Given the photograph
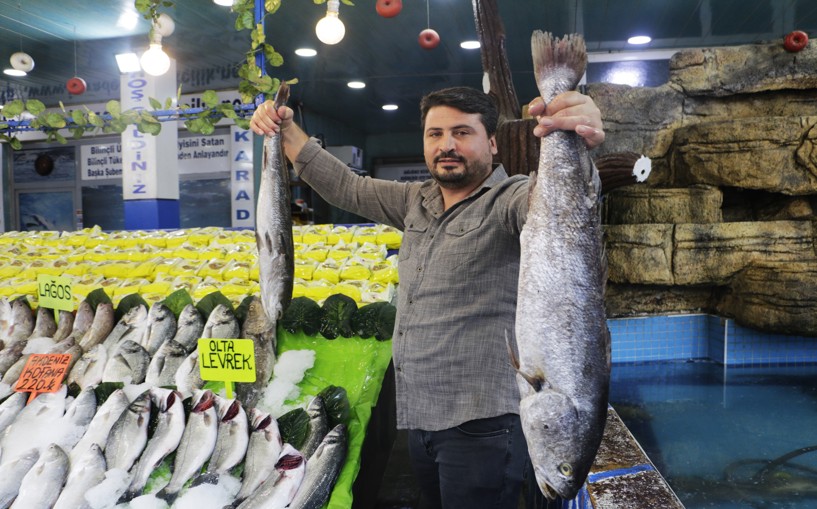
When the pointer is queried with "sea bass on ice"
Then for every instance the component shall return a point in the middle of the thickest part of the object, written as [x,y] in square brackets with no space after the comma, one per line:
[563,368]
[273,225]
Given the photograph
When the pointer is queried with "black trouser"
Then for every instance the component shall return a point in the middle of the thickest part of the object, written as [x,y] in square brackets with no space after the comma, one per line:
[480,463]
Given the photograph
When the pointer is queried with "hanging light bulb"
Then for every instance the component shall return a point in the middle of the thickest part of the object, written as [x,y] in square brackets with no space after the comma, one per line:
[155,61]
[330,29]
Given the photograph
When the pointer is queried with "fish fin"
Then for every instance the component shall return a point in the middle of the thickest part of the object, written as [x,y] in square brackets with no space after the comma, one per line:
[167,496]
[537,382]
[532,186]
[206,478]
[558,64]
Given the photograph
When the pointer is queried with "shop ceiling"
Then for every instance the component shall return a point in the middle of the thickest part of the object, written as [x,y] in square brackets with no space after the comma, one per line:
[80,37]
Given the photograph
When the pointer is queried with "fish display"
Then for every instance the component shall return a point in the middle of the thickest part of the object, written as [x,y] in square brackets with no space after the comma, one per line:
[259,328]
[273,225]
[57,450]
[563,363]
[322,470]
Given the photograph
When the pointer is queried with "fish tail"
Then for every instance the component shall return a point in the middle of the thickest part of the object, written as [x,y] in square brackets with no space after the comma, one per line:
[167,495]
[558,64]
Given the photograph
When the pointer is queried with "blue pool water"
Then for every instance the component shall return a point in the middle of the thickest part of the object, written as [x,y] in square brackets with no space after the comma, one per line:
[715,431]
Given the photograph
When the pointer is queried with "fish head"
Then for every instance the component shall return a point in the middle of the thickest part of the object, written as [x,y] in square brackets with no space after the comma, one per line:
[21,313]
[552,429]
[189,315]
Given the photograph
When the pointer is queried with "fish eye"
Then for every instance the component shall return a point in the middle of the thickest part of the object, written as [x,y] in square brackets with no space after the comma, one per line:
[565,469]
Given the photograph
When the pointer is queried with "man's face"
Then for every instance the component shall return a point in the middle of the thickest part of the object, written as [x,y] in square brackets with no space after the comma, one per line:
[457,149]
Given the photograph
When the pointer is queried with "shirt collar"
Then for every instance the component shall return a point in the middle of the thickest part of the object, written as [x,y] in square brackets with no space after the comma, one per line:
[433,198]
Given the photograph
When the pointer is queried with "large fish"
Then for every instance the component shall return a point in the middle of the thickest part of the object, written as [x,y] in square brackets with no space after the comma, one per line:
[165,438]
[10,408]
[165,363]
[78,416]
[131,326]
[44,324]
[100,328]
[161,327]
[129,434]
[563,368]
[265,443]
[318,426]
[259,328]
[65,325]
[322,471]
[20,321]
[42,484]
[273,225]
[88,370]
[100,427]
[86,472]
[196,446]
[189,327]
[188,376]
[128,363]
[221,324]
[232,439]
[12,473]
[278,490]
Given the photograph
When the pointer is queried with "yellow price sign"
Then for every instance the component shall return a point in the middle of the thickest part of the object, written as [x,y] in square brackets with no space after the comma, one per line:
[54,292]
[227,360]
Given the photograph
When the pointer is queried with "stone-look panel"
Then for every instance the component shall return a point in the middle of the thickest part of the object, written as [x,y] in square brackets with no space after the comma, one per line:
[633,300]
[710,254]
[752,205]
[774,154]
[639,120]
[743,69]
[639,254]
[786,103]
[774,297]
[640,204]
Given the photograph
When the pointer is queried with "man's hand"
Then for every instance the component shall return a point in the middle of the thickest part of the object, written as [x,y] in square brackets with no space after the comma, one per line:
[265,120]
[570,111]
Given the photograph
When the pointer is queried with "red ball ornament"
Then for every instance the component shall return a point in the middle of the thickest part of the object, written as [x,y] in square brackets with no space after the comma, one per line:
[795,41]
[429,39]
[75,85]
[389,8]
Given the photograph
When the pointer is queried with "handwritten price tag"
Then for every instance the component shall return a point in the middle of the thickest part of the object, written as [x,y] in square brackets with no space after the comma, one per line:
[227,360]
[43,373]
[54,292]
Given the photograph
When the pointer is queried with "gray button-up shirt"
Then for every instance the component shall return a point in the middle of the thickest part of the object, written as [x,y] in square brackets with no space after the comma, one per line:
[457,293]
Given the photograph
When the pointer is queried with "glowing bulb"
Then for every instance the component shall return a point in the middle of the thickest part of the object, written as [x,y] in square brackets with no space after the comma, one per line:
[155,61]
[14,72]
[639,39]
[330,29]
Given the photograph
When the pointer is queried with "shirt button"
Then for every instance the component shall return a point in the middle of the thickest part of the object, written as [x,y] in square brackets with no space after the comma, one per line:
[419,269]
[400,333]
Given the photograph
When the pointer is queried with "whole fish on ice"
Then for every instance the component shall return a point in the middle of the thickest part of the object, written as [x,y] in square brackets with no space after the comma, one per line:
[322,470]
[563,368]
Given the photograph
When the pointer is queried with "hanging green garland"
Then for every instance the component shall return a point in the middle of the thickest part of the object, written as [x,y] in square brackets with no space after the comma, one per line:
[197,120]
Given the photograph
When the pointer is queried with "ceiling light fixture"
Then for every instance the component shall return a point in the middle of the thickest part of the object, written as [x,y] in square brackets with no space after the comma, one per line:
[389,107]
[225,3]
[330,29]
[14,72]
[356,84]
[154,61]
[639,39]
[128,62]
[469,45]
[305,52]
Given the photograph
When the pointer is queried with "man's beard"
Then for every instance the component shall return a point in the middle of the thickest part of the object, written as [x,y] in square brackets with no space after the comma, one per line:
[467,174]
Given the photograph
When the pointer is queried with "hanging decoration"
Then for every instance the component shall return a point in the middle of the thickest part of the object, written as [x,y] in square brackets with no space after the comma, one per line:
[75,85]
[389,8]
[428,38]
[795,41]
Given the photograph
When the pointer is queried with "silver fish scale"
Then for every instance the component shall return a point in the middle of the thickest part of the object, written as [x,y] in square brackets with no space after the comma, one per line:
[561,329]
[273,225]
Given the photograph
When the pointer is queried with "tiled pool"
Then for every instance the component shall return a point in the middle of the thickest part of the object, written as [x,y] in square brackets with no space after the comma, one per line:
[713,404]
[701,336]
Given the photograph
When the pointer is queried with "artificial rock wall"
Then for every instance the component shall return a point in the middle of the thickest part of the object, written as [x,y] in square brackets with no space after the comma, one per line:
[726,222]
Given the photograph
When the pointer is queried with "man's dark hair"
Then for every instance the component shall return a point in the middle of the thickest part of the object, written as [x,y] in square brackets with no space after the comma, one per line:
[465,99]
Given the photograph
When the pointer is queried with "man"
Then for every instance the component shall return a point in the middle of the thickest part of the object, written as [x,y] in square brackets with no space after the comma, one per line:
[458,267]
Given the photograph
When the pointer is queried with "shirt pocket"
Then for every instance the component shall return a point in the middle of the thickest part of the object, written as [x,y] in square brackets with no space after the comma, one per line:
[413,233]
[465,243]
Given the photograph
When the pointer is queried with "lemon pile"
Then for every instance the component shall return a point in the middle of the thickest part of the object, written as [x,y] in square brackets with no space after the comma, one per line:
[329,259]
